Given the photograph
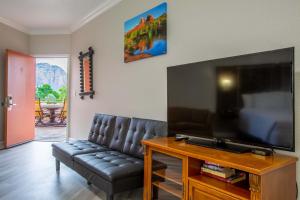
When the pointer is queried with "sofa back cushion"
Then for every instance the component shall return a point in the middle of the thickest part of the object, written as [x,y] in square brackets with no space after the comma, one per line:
[120,132]
[102,129]
[139,130]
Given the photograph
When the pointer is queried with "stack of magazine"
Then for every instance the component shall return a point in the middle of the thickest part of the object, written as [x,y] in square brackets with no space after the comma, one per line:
[224,174]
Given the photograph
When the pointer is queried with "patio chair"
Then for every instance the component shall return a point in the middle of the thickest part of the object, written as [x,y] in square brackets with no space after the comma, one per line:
[40,113]
[63,113]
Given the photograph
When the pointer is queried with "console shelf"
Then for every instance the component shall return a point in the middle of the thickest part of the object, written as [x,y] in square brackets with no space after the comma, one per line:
[169,188]
[170,175]
[226,188]
[174,167]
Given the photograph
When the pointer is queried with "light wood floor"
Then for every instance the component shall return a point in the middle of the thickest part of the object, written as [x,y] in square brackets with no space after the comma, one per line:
[27,172]
[50,134]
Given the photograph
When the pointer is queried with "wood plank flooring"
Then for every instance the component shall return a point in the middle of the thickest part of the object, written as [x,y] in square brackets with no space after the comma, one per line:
[27,172]
[50,134]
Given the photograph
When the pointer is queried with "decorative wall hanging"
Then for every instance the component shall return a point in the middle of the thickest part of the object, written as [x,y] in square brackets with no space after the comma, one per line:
[86,73]
[146,34]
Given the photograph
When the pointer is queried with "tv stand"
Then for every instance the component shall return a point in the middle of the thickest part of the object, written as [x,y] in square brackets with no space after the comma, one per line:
[218,144]
[172,170]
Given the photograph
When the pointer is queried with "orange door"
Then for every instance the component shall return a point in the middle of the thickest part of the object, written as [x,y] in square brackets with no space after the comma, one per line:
[19,98]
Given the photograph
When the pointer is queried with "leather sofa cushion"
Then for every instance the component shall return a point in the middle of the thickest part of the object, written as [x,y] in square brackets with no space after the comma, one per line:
[102,129]
[111,165]
[120,132]
[141,129]
[76,147]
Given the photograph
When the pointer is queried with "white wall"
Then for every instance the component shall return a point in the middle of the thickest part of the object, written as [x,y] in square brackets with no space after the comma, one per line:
[14,40]
[197,30]
[50,44]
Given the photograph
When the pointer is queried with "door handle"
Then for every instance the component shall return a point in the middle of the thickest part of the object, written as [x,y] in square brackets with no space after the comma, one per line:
[8,102]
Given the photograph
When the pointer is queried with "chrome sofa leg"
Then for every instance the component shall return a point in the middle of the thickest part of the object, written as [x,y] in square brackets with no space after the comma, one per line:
[57,165]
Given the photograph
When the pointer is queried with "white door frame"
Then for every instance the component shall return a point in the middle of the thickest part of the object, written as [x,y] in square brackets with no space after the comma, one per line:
[68,56]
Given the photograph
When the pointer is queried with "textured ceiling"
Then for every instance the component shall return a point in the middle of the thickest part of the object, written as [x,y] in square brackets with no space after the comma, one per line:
[50,16]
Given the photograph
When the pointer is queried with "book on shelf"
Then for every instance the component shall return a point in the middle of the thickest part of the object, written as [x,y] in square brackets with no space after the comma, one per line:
[233,179]
[216,168]
[212,164]
[237,178]
[225,173]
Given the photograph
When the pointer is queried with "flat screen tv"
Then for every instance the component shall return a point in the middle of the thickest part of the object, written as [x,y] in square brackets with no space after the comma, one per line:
[247,99]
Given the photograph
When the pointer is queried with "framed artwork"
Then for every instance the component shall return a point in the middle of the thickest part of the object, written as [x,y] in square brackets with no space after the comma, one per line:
[146,34]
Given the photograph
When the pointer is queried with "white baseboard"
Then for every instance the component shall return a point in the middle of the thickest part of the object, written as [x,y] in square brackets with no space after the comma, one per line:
[1,145]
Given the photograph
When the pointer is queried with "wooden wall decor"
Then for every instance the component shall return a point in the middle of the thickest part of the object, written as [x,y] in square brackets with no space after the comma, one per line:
[86,73]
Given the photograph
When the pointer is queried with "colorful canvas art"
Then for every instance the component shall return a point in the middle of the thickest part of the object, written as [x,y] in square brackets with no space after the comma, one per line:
[146,34]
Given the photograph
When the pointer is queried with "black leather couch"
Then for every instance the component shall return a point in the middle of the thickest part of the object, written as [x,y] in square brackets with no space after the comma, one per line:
[112,157]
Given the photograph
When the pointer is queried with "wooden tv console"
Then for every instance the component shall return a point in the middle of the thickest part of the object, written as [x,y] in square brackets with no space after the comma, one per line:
[172,171]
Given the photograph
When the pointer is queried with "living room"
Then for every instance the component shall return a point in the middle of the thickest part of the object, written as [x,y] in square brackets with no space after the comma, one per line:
[197,30]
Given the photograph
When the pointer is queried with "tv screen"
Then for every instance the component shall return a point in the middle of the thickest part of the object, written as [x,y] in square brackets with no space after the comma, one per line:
[246,99]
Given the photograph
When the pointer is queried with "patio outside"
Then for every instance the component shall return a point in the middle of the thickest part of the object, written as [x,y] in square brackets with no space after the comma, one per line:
[51,99]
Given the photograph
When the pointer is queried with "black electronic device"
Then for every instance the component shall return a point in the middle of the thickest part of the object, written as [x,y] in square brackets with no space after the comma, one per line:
[262,152]
[247,99]
[218,144]
[181,137]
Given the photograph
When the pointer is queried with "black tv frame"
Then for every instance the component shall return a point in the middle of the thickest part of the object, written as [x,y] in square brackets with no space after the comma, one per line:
[223,142]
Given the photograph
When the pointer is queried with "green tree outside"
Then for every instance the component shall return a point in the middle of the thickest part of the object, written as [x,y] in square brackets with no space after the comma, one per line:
[63,92]
[46,93]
